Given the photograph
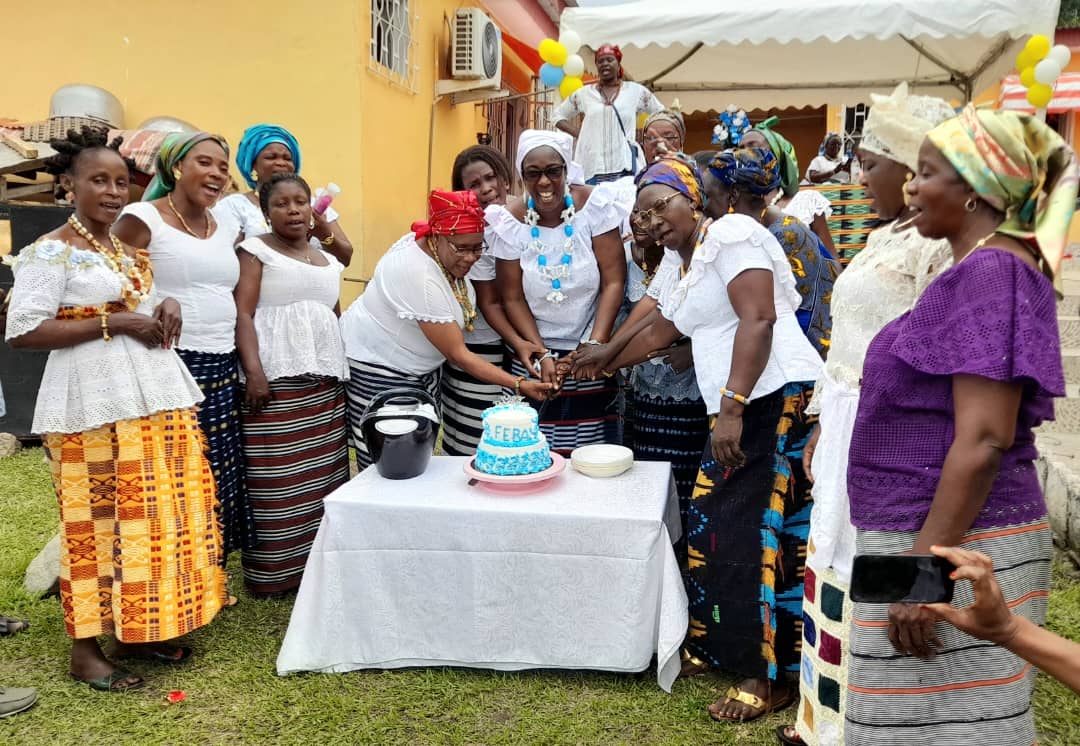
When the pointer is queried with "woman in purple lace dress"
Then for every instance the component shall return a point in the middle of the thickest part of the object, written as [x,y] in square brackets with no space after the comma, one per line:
[943,449]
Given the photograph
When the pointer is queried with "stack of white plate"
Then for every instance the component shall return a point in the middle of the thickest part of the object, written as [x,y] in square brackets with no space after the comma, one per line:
[602,460]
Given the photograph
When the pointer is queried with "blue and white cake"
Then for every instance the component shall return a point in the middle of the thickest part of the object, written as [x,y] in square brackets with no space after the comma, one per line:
[512,443]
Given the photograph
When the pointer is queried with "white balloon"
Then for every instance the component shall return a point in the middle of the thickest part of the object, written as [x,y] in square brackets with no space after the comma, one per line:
[574,66]
[571,41]
[1047,71]
[1060,54]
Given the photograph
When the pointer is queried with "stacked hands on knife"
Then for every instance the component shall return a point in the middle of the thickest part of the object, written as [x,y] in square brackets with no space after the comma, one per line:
[589,362]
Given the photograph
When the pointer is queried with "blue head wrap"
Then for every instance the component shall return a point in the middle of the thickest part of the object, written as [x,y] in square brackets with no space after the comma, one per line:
[257,137]
[754,170]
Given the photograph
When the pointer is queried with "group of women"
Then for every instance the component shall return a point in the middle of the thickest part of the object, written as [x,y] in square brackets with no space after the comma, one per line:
[684,304]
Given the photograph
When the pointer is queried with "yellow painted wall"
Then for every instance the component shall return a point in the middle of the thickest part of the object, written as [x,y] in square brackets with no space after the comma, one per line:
[226,65]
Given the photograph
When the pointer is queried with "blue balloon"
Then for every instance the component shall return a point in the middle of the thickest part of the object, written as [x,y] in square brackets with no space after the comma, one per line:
[550,75]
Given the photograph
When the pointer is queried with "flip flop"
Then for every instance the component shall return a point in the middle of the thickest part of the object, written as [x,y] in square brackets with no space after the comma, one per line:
[10,626]
[784,738]
[179,654]
[109,682]
[734,694]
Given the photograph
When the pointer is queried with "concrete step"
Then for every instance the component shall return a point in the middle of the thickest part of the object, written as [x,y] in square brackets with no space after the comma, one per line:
[1069,327]
[1059,472]
[1066,414]
[1070,361]
[1068,306]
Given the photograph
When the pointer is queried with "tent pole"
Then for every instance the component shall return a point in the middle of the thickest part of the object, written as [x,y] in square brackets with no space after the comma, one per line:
[693,50]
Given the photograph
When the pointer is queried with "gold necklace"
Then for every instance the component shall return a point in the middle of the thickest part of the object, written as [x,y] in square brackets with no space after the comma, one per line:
[289,249]
[209,219]
[683,269]
[459,287]
[979,244]
[136,275]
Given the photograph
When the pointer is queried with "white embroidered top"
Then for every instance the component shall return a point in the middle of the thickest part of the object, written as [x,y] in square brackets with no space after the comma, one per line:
[562,326]
[95,382]
[808,204]
[200,274]
[245,213]
[881,283]
[294,319]
[602,148]
[382,325]
[482,271]
[700,308]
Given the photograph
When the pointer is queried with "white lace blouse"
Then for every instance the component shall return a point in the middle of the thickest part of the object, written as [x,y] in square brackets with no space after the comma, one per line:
[699,307]
[294,319]
[96,382]
[807,204]
[382,326]
[562,326]
[882,282]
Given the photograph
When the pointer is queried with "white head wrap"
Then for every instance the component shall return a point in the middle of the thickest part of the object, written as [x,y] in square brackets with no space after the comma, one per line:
[562,143]
[898,124]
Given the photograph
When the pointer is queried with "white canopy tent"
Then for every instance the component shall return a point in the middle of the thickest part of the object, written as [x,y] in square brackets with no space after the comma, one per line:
[775,53]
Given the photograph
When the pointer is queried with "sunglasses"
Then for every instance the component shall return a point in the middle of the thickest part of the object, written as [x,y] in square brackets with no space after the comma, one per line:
[553,173]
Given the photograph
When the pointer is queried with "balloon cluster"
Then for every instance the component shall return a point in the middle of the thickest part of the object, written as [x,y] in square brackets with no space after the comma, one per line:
[1040,65]
[733,124]
[563,66]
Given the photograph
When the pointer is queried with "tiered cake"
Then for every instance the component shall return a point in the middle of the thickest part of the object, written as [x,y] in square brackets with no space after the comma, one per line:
[512,443]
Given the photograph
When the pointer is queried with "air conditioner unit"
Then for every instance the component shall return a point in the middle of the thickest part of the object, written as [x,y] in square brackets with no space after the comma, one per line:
[476,48]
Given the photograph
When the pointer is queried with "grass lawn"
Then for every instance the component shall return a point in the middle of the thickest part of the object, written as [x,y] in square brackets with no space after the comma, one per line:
[234,697]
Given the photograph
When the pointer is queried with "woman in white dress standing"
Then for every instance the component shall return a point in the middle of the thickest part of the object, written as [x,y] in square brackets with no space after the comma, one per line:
[606,145]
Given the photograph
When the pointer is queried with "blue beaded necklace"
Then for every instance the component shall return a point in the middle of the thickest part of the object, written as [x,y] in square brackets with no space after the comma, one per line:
[555,274]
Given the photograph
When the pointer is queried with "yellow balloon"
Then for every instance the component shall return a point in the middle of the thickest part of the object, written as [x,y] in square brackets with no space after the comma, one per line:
[1038,46]
[568,86]
[1024,60]
[555,53]
[1039,95]
[1027,77]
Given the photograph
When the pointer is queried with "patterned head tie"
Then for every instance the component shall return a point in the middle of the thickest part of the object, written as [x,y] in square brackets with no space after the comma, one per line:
[753,170]
[678,172]
[451,214]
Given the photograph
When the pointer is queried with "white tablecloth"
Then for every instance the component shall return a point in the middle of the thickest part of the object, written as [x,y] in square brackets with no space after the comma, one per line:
[433,572]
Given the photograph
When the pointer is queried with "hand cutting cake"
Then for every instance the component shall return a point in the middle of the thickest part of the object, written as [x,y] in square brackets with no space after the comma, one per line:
[512,443]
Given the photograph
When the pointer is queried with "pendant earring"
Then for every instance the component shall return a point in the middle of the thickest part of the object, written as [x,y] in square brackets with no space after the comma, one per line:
[254,176]
[177,173]
[311,225]
[731,209]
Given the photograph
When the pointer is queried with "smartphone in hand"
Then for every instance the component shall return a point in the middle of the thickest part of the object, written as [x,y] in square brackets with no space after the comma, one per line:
[901,578]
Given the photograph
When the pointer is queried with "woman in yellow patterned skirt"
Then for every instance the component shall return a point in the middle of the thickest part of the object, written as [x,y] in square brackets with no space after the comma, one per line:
[116,412]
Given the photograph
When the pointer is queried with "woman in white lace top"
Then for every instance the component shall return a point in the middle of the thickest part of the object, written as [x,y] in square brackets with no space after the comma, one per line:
[882,282]
[294,398]
[561,272]
[140,544]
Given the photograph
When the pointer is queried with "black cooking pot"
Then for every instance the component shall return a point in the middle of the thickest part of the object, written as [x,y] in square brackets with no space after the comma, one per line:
[399,427]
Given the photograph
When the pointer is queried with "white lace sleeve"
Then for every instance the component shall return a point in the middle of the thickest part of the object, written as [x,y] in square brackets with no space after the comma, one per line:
[40,281]
[504,233]
[608,207]
[814,406]
[808,204]
[935,258]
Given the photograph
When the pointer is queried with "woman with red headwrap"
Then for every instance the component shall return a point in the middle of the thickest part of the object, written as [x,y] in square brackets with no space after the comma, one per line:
[606,147]
[411,318]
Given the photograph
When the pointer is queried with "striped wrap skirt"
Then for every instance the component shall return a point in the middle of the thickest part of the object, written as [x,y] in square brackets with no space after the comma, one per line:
[584,412]
[368,380]
[464,399]
[296,453]
[972,692]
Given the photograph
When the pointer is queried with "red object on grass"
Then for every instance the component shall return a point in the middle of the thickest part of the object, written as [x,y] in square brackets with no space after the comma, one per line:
[176,695]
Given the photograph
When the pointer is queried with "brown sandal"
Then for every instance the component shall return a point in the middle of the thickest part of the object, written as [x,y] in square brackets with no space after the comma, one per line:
[734,694]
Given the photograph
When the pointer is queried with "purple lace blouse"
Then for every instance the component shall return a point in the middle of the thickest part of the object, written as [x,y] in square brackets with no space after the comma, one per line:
[993,316]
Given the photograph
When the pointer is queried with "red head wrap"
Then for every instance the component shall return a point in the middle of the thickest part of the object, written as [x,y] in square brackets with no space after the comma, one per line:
[451,214]
[614,51]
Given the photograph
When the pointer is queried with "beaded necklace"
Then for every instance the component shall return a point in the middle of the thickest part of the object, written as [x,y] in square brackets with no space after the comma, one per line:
[459,287]
[561,271]
[135,274]
[683,270]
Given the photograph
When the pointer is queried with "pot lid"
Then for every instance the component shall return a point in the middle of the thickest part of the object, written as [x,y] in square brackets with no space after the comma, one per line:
[396,427]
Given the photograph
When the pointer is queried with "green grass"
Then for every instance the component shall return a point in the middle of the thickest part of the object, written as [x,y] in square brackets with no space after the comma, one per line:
[234,697]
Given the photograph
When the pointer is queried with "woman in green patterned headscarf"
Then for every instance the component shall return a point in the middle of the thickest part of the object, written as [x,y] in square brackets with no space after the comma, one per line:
[172,152]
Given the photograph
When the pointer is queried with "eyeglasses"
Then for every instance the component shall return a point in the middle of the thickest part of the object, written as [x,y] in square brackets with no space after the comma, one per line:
[474,250]
[654,139]
[553,173]
[643,218]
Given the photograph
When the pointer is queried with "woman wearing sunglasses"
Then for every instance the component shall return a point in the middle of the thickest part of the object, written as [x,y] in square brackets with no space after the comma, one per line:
[561,272]
[412,317]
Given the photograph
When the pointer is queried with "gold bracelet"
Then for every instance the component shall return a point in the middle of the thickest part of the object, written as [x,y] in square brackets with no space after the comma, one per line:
[105,326]
[329,240]
[517,385]
[744,400]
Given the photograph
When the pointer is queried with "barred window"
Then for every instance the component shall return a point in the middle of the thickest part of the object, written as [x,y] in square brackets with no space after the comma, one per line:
[391,39]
